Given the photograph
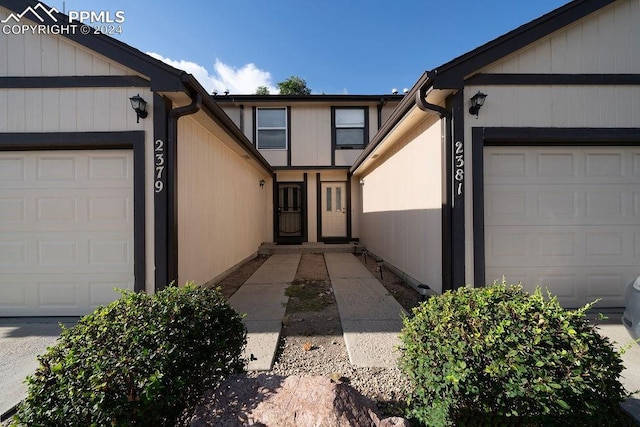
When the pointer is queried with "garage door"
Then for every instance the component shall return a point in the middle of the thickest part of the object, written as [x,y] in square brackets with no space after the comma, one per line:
[566,218]
[66,227]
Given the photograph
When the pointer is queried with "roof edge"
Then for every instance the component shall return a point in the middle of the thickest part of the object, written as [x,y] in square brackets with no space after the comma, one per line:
[222,99]
[450,75]
[396,117]
[225,121]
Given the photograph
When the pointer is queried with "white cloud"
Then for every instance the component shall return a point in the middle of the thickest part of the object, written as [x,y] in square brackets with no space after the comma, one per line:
[243,80]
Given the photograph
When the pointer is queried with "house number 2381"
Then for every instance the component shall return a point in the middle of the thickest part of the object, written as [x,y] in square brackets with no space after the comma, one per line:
[458,173]
[159,164]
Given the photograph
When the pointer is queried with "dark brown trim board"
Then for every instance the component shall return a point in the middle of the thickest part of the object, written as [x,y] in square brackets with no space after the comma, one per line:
[553,79]
[288,135]
[349,218]
[458,184]
[482,137]
[447,196]
[305,207]
[318,207]
[98,141]
[161,108]
[52,82]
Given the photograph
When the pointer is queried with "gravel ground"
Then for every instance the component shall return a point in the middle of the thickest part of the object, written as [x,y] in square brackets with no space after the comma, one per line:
[311,342]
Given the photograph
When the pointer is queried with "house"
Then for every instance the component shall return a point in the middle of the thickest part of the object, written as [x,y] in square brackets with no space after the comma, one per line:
[311,141]
[541,184]
[95,196]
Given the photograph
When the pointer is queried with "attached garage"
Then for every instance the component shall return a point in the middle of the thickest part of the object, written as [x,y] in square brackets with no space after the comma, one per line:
[66,219]
[92,197]
[566,218]
[538,142]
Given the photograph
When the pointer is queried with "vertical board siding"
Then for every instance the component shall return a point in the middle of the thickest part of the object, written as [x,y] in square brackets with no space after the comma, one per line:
[70,110]
[221,207]
[50,55]
[607,41]
[401,219]
[556,106]
[310,136]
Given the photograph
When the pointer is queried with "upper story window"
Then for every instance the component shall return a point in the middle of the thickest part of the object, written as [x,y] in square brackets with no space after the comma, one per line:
[271,128]
[350,127]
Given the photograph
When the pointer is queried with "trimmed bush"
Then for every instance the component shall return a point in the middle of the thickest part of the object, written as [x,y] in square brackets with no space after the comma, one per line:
[499,356]
[141,360]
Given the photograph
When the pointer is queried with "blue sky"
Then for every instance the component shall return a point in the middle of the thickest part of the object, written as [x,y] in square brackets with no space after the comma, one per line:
[337,46]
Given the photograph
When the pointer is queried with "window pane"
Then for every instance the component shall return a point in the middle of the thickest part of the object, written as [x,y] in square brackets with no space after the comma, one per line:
[349,118]
[338,198]
[349,137]
[272,118]
[272,139]
[329,199]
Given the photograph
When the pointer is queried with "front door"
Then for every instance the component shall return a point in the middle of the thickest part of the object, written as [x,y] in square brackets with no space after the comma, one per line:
[334,210]
[290,213]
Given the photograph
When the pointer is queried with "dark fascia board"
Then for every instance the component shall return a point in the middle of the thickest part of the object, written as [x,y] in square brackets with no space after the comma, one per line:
[163,76]
[219,116]
[407,103]
[309,168]
[451,74]
[224,99]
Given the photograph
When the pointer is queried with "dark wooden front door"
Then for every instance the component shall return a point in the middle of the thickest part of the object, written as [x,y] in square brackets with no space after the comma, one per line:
[290,213]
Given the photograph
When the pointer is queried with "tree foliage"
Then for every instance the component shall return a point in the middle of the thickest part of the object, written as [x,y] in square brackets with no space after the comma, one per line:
[262,90]
[294,85]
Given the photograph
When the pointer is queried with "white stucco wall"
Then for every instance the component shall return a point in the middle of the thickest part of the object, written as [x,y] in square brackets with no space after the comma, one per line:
[222,210]
[401,219]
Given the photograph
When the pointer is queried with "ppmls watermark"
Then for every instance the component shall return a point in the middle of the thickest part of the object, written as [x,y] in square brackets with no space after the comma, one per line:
[47,22]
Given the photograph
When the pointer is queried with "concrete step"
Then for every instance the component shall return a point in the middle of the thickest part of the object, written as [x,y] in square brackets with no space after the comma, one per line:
[310,248]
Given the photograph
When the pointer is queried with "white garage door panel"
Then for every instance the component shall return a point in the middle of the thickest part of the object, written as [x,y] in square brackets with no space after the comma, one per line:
[566,218]
[66,219]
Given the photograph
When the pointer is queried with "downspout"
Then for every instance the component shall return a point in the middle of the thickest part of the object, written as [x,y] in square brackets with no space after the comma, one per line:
[421,101]
[447,233]
[172,184]
[381,104]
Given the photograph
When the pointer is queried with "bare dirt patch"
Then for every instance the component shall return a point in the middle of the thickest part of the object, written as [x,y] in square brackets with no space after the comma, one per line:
[403,293]
[230,284]
[311,341]
[312,308]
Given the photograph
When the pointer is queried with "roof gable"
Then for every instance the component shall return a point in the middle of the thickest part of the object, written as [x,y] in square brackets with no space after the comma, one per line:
[451,74]
[163,76]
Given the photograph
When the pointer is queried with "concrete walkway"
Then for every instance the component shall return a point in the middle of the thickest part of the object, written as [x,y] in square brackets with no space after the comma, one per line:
[21,341]
[263,301]
[370,316]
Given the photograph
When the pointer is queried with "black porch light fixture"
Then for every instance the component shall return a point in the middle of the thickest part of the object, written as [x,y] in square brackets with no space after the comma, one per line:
[262,182]
[477,101]
[139,105]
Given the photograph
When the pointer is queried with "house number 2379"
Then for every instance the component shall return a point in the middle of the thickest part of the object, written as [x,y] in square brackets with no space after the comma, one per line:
[159,164]
[458,173]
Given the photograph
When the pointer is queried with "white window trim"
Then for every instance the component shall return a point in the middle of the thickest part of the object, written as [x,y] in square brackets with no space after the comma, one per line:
[285,128]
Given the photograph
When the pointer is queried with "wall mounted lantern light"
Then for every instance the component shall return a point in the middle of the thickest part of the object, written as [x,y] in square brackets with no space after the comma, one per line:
[262,182]
[362,181]
[477,101]
[139,105]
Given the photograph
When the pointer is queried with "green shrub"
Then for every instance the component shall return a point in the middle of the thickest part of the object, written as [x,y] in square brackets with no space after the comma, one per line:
[498,353]
[141,360]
